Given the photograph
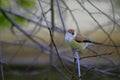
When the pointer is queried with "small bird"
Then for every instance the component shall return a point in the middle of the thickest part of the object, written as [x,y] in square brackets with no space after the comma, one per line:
[75,40]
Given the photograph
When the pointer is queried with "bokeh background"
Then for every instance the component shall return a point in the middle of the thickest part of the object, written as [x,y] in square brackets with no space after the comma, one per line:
[28,51]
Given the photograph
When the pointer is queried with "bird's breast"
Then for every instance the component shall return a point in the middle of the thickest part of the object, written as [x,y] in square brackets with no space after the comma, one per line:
[74,45]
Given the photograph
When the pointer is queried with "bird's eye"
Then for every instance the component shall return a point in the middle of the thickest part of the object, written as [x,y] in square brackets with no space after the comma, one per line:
[72,33]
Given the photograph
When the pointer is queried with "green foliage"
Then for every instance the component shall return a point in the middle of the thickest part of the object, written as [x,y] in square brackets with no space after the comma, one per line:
[3,21]
[4,3]
[18,19]
[27,3]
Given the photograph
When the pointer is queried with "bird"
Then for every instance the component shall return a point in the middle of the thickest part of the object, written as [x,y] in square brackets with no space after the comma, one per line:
[76,40]
[80,42]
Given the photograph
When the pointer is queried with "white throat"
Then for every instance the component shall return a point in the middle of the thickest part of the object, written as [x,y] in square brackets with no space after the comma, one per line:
[69,36]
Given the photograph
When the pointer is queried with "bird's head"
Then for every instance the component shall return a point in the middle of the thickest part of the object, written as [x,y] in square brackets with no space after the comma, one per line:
[70,34]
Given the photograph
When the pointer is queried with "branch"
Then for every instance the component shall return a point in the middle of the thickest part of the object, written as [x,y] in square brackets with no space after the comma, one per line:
[31,20]
[26,10]
[52,40]
[95,69]
[20,29]
[60,12]
[76,56]
[1,63]
[95,55]
[76,23]
[100,26]
[65,58]
[103,13]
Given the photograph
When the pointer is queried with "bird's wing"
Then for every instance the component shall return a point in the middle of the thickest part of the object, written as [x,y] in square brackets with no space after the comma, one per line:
[80,38]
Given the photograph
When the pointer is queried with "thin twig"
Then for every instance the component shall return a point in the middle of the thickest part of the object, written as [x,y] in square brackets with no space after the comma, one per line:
[75,53]
[95,55]
[20,29]
[52,40]
[74,68]
[60,71]
[1,64]
[67,59]
[74,19]
[26,10]
[103,13]
[51,44]
[100,25]
[30,20]
[61,17]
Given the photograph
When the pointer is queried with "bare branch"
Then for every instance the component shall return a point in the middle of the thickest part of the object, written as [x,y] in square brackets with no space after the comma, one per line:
[1,64]
[31,20]
[103,13]
[74,19]
[20,29]
[61,17]
[95,55]
[100,24]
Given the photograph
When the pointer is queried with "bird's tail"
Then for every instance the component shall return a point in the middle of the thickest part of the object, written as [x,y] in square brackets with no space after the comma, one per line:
[100,43]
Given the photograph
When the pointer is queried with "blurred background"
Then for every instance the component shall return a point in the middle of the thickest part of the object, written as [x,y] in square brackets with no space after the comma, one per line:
[32,44]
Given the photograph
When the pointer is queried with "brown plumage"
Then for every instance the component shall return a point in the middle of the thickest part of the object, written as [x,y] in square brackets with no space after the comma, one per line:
[78,37]
[76,41]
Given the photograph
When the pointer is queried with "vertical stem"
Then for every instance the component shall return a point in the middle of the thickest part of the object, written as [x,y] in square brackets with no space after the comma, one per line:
[75,53]
[1,64]
[74,69]
[60,12]
[44,17]
[52,33]
[52,16]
